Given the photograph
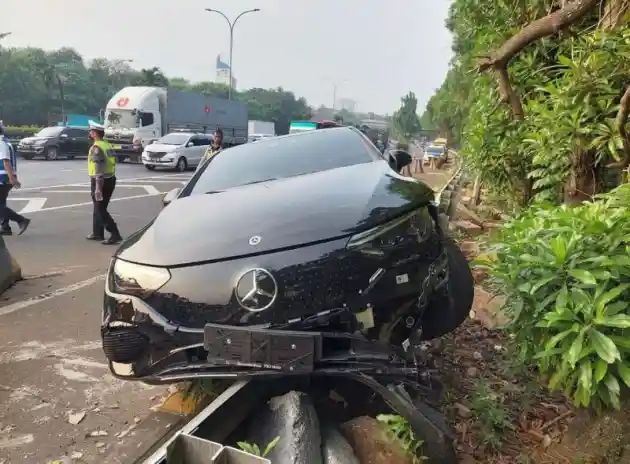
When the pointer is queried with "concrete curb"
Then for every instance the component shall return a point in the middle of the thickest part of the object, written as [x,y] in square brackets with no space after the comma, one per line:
[10,270]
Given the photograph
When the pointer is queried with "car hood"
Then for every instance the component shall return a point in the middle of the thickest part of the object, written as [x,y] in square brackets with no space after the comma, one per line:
[29,140]
[284,213]
[161,148]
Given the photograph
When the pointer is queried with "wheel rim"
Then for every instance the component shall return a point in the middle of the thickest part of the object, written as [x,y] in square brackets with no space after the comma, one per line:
[181,165]
[52,153]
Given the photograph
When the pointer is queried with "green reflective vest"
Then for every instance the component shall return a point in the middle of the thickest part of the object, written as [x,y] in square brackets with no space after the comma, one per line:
[110,159]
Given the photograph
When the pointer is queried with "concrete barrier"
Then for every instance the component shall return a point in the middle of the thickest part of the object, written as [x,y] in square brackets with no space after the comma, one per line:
[10,271]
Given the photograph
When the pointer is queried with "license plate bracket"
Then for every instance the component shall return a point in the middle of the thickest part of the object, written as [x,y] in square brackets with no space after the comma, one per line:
[282,350]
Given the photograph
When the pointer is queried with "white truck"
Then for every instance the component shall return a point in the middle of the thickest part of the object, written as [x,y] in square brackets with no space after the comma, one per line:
[258,130]
[137,116]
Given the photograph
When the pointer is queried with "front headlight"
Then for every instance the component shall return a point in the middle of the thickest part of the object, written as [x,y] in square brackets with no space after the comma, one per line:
[399,234]
[134,279]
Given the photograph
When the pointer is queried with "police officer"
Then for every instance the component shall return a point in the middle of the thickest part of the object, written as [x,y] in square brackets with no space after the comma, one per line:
[215,146]
[102,172]
[8,181]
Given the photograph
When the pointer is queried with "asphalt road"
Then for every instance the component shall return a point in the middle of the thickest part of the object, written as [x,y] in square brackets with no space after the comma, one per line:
[51,363]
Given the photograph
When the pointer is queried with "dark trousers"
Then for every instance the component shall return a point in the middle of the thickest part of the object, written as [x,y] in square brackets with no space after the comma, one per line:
[6,213]
[101,219]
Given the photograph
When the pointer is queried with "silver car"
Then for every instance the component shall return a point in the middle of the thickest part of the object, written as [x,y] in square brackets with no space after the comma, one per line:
[176,150]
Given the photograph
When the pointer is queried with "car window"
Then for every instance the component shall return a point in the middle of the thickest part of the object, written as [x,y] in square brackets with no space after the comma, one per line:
[77,133]
[146,119]
[282,157]
[200,141]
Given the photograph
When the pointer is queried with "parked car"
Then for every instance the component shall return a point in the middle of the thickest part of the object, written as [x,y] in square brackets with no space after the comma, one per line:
[271,245]
[53,142]
[176,150]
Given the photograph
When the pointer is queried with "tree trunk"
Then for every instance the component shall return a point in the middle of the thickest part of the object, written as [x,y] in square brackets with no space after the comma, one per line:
[586,179]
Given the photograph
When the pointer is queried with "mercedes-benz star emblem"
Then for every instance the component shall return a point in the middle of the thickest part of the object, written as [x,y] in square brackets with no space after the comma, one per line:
[255,240]
[256,290]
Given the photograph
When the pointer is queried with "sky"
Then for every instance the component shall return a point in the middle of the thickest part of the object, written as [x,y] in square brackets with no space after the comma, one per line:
[373,52]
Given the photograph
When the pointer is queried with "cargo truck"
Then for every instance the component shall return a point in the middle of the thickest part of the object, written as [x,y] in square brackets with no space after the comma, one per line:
[137,116]
[258,130]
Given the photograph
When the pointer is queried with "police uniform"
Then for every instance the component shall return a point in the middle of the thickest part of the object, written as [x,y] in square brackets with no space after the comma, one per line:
[102,170]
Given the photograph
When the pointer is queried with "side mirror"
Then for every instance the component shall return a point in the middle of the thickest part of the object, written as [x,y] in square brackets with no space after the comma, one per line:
[170,196]
[189,144]
[400,159]
[63,136]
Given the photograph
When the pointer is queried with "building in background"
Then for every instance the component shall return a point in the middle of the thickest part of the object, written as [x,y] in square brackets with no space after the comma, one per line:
[347,104]
[223,73]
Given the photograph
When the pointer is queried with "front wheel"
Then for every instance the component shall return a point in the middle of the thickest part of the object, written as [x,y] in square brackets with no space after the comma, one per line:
[149,168]
[182,165]
[449,307]
[52,153]
[27,157]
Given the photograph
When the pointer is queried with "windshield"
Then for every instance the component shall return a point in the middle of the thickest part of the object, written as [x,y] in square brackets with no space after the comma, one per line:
[120,119]
[50,132]
[174,139]
[281,157]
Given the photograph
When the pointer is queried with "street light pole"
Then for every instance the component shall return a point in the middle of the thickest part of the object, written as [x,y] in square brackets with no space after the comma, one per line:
[231,24]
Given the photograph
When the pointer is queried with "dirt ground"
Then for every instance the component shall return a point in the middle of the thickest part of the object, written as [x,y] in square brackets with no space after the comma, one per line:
[502,414]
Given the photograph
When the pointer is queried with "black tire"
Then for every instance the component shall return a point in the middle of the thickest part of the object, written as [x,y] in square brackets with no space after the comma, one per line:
[27,157]
[450,307]
[121,158]
[70,157]
[182,165]
[52,153]
[149,168]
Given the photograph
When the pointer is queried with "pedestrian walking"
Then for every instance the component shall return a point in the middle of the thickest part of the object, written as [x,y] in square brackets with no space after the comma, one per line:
[8,181]
[102,172]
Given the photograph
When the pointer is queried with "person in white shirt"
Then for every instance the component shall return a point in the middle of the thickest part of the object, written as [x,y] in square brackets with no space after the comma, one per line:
[8,180]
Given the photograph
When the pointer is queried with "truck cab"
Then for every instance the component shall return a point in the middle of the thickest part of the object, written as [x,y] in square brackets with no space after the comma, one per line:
[133,119]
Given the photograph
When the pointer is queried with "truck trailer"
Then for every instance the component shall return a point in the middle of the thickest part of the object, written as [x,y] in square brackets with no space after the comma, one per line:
[137,116]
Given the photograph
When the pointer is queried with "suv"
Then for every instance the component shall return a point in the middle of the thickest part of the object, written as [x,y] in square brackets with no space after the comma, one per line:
[55,141]
[177,150]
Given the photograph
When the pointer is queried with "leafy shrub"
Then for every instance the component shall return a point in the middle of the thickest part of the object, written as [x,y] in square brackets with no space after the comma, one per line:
[18,132]
[565,273]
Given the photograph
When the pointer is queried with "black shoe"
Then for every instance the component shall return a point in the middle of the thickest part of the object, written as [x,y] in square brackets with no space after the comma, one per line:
[23,225]
[113,240]
[6,232]
[96,238]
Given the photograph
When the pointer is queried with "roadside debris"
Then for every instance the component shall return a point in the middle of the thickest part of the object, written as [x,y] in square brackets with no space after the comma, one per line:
[76,418]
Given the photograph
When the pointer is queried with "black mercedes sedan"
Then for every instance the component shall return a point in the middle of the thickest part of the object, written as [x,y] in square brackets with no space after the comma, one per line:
[275,246]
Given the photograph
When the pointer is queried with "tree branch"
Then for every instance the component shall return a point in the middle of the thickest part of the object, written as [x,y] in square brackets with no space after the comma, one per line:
[553,23]
[621,121]
[543,27]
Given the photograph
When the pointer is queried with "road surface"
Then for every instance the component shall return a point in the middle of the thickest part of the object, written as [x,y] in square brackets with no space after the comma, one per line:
[51,363]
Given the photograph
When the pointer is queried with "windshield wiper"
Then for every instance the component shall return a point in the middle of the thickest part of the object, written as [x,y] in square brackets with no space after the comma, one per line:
[259,181]
[209,192]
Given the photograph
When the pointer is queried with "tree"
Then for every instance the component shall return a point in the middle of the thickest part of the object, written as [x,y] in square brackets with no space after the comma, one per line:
[541,114]
[405,121]
[151,77]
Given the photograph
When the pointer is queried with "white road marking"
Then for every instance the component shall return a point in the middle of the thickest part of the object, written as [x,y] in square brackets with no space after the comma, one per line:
[119,179]
[89,203]
[33,205]
[50,295]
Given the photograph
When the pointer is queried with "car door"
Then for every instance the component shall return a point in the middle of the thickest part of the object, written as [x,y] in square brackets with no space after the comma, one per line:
[201,143]
[64,141]
[78,142]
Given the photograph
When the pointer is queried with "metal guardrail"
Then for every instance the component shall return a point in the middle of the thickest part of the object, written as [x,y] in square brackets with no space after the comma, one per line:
[446,197]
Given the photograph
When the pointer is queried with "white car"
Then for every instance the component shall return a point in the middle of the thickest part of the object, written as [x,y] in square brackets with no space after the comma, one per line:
[177,150]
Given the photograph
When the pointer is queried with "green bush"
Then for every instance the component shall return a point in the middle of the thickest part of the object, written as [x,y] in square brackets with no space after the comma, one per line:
[565,273]
[18,132]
